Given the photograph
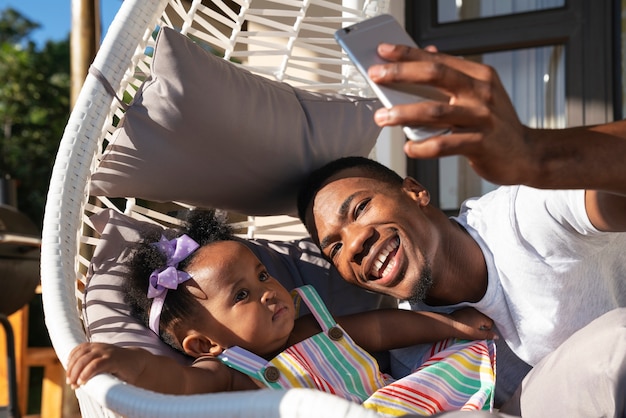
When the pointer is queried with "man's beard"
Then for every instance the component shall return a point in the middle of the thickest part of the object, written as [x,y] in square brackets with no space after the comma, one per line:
[423,286]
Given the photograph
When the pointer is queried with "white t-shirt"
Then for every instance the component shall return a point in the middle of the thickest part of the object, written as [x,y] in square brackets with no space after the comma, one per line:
[551,272]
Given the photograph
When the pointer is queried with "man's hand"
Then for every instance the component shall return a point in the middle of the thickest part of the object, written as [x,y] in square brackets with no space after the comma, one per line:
[484,126]
[473,325]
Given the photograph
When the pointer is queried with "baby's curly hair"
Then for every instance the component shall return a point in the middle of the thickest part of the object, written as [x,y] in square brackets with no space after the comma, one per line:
[204,227]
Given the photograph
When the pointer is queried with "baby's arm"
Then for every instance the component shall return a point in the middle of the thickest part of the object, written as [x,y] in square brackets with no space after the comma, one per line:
[386,329]
[157,373]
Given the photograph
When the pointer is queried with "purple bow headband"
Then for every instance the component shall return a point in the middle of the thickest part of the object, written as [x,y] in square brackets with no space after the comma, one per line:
[161,280]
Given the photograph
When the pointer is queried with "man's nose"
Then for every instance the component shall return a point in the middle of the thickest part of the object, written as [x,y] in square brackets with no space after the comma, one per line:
[358,241]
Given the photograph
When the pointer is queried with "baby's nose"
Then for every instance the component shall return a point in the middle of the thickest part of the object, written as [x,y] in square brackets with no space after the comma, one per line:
[269,296]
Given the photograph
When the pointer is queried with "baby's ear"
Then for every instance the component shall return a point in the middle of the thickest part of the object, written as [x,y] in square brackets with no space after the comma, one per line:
[197,345]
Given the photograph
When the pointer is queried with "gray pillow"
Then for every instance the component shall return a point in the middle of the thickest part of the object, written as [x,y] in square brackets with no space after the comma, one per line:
[207,132]
[107,318]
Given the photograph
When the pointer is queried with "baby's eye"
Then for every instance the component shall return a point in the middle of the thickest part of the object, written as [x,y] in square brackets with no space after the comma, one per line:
[264,276]
[241,295]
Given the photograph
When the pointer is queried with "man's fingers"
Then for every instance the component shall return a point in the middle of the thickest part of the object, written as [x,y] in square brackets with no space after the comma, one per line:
[457,118]
[392,52]
[490,335]
[465,143]
[404,54]
[448,79]
[487,328]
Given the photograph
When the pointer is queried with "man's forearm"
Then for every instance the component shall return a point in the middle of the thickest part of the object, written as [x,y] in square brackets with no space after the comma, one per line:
[586,157]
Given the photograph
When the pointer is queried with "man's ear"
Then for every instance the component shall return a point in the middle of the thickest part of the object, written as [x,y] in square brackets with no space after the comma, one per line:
[197,345]
[416,191]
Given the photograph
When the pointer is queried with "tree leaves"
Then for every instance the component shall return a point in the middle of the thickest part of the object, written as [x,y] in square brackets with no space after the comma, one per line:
[34,107]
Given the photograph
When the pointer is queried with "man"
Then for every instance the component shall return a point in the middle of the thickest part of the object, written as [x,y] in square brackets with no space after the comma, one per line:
[542,264]
[484,127]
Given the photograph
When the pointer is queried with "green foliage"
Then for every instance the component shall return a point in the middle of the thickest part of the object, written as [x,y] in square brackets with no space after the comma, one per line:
[15,28]
[34,107]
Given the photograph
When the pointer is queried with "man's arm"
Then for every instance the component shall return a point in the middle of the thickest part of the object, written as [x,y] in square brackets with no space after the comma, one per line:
[485,128]
[386,329]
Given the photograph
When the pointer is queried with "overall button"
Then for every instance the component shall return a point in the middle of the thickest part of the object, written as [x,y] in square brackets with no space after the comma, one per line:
[335,333]
[271,374]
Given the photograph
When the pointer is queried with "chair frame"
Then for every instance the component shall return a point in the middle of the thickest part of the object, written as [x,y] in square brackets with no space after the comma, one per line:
[67,234]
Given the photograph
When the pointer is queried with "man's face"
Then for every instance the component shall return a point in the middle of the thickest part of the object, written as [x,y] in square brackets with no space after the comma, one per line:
[377,235]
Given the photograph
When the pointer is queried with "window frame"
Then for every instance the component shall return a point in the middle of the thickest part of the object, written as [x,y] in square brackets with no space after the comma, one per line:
[593,74]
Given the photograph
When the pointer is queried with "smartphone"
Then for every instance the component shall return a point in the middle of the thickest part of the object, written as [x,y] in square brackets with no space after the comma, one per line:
[361,40]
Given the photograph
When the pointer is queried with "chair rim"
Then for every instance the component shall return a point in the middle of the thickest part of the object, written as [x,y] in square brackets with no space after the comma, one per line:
[61,238]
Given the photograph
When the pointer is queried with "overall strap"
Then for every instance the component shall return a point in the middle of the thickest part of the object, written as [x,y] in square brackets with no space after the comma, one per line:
[312,299]
[244,361]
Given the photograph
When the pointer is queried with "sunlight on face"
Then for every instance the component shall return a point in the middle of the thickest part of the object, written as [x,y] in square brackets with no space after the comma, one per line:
[244,305]
[375,233]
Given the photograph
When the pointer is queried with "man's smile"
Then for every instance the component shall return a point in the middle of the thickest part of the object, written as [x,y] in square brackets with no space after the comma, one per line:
[384,262]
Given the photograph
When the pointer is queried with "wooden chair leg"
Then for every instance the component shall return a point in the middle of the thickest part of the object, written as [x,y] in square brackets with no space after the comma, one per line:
[53,385]
[52,391]
[19,322]
[9,372]
[4,370]
[53,379]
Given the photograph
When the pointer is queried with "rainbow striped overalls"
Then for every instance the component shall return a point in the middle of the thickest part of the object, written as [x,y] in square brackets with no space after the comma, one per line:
[459,375]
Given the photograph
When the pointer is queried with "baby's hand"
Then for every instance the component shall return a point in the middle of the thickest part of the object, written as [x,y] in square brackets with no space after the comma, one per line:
[473,325]
[90,359]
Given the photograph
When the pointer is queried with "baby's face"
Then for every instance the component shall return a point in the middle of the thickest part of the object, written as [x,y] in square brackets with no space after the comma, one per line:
[244,305]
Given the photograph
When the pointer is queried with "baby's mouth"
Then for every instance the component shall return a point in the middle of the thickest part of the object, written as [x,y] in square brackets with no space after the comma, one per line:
[279,312]
[384,261]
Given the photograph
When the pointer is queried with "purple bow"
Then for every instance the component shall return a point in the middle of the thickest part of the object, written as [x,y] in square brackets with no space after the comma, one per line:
[168,278]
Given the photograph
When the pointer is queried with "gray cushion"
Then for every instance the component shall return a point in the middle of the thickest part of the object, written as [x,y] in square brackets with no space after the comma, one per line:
[204,131]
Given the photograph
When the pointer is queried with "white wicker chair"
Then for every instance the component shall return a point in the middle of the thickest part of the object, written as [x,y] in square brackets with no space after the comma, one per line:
[122,61]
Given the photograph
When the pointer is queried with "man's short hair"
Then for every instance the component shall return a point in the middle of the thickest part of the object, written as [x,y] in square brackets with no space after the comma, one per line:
[317,178]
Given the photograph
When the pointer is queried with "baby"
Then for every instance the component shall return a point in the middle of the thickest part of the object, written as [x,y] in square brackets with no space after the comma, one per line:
[207,295]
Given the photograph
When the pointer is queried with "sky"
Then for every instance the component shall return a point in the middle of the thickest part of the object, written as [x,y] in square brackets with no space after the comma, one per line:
[54,16]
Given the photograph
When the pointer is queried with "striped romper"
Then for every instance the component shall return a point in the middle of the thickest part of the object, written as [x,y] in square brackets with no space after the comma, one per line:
[459,375]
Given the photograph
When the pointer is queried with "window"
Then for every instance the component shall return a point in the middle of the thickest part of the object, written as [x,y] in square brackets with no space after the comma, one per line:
[556,59]
[456,10]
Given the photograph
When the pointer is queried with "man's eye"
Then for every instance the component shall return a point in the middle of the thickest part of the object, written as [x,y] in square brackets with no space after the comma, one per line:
[264,276]
[334,250]
[358,209]
[241,295]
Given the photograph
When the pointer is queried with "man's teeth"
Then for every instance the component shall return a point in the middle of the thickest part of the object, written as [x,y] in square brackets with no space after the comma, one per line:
[381,259]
